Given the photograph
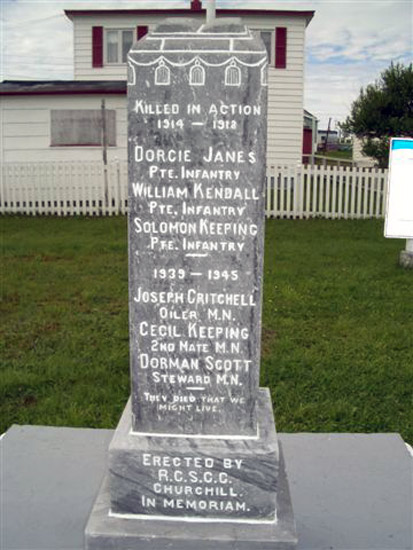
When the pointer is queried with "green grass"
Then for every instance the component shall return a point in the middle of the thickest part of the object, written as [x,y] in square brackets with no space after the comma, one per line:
[331,158]
[337,325]
[338,154]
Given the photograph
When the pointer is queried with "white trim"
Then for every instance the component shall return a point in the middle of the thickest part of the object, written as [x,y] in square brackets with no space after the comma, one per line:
[243,52]
[164,71]
[204,37]
[264,75]
[131,70]
[162,58]
[193,520]
[196,35]
[209,38]
[197,436]
[195,69]
[233,75]
[120,32]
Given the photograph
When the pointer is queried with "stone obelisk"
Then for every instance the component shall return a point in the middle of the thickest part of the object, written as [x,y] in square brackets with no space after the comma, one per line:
[195,461]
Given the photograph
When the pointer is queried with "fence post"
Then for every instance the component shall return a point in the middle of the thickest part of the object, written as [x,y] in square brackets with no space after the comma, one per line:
[303,191]
[119,192]
[297,191]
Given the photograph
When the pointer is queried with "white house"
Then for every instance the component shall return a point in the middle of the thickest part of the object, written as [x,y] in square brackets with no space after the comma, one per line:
[62,120]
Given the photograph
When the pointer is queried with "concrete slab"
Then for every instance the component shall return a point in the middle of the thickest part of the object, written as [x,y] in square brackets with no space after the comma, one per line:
[349,491]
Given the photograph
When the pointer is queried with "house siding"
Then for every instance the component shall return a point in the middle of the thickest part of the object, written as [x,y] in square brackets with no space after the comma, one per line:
[26,128]
[286,86]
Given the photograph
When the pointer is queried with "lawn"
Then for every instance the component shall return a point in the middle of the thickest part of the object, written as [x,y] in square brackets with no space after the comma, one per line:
[337,325]
[347,154]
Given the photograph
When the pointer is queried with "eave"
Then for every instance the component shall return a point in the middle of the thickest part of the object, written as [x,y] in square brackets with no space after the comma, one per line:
[184,12]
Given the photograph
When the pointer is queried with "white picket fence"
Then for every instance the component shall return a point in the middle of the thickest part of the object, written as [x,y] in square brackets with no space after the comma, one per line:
[326,192]
[64,188]
[90,188]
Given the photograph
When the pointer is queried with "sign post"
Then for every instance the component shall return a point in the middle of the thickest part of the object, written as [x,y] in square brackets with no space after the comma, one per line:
[399,211]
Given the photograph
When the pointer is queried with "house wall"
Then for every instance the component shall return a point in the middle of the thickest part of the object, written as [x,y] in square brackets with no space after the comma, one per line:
[286,86]
[26,133]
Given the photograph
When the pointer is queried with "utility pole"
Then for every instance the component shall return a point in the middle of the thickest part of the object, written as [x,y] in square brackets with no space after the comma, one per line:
[327,135]
[211,11]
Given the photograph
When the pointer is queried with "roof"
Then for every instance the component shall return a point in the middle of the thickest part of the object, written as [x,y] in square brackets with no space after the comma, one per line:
[62,87]
[70,87]
[309,115]
[308,15]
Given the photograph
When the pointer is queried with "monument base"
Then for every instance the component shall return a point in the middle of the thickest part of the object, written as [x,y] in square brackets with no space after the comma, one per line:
[406,259]
[206,477]
[193,492]
[104,532]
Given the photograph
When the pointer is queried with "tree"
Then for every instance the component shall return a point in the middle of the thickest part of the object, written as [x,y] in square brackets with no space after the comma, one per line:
[383,110]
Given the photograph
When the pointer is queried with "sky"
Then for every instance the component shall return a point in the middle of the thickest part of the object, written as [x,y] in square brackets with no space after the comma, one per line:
[348,43]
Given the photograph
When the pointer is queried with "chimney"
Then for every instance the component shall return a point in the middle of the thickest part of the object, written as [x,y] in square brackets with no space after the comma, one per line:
[196,5]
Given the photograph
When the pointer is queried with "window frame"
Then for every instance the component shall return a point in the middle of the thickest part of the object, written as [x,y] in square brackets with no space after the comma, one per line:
[120,31]
[110,142]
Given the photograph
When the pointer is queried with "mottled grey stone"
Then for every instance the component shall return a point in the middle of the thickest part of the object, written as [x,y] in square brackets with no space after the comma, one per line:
[194,477]
[181,24]
[104,532]
[228,25]
[197,139]
[406,259]
[195,457]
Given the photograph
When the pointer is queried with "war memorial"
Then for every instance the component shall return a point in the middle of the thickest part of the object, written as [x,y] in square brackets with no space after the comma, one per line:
[195,461]
[196,449]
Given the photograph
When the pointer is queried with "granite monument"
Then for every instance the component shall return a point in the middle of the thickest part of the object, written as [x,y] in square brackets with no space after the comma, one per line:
[195,461]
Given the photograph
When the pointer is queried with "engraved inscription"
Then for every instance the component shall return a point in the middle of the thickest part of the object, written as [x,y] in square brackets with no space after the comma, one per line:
[195,229]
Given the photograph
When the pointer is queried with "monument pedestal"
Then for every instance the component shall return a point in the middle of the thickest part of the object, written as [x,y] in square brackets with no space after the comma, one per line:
[178,492]
[104,532]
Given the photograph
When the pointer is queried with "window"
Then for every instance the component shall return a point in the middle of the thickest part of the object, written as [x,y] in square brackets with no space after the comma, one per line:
[267,37]
[276,46]
[118,43]
[81,127]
